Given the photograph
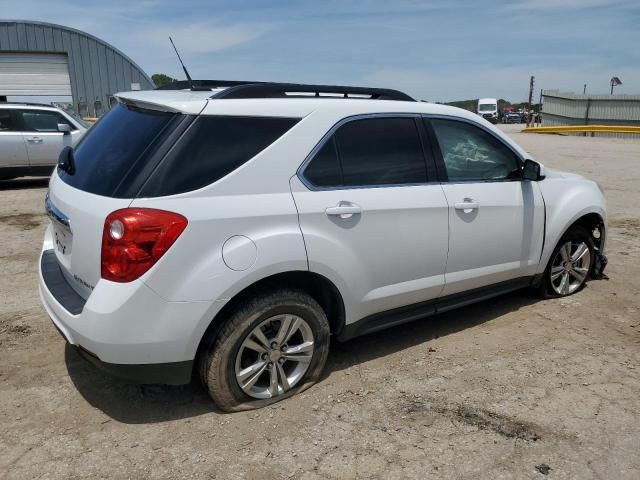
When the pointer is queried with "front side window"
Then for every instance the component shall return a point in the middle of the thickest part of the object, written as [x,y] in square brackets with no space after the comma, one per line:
[470,153]
[370,152]
[43,121]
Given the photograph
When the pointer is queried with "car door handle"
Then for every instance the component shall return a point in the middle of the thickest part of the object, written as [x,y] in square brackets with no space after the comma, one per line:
[344,210]
[466,205]
[34,140]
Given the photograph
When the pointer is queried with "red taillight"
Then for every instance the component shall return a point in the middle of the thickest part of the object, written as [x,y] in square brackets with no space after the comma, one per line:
[134,239]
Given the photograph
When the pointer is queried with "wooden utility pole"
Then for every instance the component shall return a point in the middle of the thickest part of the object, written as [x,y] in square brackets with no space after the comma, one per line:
[530,100]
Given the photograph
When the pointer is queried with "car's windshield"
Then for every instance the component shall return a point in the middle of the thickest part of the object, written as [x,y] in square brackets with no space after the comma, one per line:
[487,107]
[78,119]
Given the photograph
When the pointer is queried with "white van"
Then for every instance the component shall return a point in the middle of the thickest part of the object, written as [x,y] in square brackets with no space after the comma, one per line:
[488,109]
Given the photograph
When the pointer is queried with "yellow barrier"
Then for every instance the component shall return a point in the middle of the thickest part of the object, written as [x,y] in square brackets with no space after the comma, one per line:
[583,128]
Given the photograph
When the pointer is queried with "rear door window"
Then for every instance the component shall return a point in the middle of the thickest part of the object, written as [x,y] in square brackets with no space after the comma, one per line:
[324,170]
[213,147]
[9,120]
[370,152]
[107,153]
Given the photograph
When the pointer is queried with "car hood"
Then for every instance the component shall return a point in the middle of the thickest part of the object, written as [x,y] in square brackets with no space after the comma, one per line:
[553,174]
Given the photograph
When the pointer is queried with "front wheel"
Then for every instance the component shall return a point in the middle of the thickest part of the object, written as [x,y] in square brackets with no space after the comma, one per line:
[268,349]
[570,265]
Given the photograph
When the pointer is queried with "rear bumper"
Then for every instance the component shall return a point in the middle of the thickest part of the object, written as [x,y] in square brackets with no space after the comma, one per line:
[125,329]
[174,373]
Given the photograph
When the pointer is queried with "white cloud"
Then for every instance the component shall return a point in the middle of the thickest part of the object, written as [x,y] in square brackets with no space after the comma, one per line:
[203,37]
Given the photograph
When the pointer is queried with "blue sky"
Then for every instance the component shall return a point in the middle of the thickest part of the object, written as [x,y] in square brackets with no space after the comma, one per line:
[435,50]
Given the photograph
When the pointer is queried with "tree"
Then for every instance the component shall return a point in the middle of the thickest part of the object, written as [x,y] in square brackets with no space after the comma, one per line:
[161,79]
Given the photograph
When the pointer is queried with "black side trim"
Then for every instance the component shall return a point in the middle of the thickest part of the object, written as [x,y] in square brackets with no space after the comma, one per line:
[397,316]
[27,171]
[58,285]
[174,373]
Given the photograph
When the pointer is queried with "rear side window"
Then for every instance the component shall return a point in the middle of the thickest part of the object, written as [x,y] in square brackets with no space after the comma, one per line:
[370,152]
[113,146]
[211,148]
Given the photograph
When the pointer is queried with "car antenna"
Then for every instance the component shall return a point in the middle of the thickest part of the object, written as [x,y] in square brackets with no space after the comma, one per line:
[186,72]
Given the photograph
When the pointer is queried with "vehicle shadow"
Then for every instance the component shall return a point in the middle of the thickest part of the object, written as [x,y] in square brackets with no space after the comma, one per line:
[136,404]
[24,183]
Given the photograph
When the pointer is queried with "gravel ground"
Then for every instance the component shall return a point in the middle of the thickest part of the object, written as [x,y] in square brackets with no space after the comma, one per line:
[509,388]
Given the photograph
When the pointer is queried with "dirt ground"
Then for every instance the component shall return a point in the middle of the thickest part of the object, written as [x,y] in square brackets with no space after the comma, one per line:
[509,388]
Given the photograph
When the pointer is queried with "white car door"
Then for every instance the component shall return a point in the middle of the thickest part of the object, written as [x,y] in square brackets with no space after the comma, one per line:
[496,220]
[372,221]
[13,152]
[44,141]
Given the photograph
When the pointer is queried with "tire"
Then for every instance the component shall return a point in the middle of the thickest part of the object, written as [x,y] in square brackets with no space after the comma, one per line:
[577,272]
[233,350]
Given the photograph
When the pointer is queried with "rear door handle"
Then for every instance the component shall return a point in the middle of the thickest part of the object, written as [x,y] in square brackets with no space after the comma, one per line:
[344,210]
[34,140]
[466,206]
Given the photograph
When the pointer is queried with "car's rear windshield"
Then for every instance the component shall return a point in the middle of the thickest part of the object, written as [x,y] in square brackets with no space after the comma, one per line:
[120,140]
[125,154]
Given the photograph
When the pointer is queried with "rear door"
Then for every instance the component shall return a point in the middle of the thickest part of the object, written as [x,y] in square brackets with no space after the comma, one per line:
[372,219]
[44,141]
[13,152]
[496,220]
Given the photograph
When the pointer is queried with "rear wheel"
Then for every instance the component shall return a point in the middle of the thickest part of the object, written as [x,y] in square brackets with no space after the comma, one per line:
[570,265]
[268,349]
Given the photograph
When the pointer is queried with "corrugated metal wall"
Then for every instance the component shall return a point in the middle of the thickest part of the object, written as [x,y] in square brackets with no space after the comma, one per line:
[97,70]
[565,108]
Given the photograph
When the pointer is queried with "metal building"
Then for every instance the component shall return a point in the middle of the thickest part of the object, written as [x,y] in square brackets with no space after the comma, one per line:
[45,59]
[566,108]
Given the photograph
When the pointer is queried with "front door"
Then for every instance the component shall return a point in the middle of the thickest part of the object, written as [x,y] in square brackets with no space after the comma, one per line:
[496,219]
[372,221]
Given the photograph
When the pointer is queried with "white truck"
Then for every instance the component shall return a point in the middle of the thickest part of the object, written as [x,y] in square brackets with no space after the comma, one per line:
[488,109]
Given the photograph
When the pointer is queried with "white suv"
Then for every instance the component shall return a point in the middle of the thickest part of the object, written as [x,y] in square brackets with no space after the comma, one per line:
[32,136]
[230,229]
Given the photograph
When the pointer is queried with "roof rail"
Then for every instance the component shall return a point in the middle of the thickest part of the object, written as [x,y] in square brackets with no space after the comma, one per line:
[201,85]
[30,104]
[244,89]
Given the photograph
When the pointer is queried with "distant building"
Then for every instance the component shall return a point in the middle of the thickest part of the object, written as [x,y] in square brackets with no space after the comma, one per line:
[43,59]
[565,108]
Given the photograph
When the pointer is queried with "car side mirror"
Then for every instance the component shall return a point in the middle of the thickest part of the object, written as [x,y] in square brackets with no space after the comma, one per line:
[65,128]
[532,171]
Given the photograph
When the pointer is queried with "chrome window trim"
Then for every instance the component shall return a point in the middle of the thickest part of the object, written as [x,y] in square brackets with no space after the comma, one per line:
[325,138]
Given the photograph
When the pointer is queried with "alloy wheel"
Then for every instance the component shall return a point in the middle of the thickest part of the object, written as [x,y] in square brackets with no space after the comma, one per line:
[274,356]
[570,267]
